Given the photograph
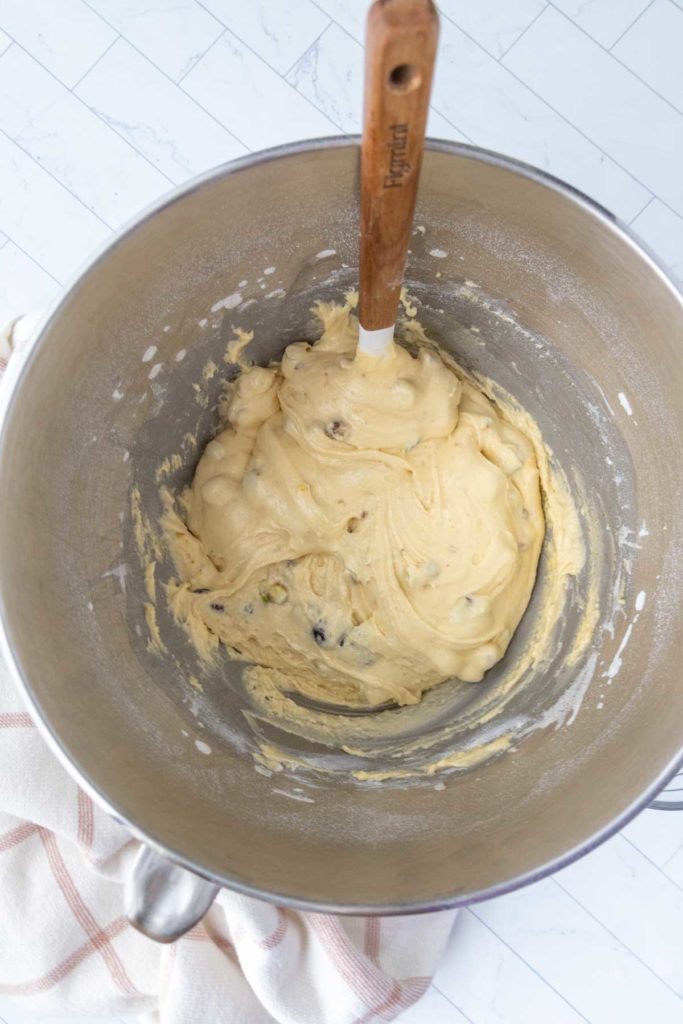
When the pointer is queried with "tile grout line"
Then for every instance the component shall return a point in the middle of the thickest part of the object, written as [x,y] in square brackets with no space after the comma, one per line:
[109,125]
[629,27]
[319,109]
[450,1001]
[61,184]
[668,861]
[306,52]
[553,4]
[666,874]
[134,148]
[198,57]
[9,238]
[362,48]
[609,931]
[530,966]
[339,24]
[229,32]
[522,33]
[448,120]
[571,125]
[194,60]
[616,59]
[346,32]
[354,40]
[206,51]
[669,103]
[78,99]
[630,223]
[173,82]
[659,867]
[258,56]
[93,65]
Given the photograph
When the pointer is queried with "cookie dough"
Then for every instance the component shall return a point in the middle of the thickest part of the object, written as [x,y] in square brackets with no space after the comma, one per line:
[367,527]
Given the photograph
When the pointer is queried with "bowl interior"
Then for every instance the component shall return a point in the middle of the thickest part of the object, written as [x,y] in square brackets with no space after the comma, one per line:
[521,280]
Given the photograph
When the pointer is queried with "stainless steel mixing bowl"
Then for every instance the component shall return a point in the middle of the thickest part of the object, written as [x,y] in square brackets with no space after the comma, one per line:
[555,300]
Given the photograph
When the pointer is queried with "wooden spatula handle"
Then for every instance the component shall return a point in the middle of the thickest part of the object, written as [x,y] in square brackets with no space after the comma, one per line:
[399,62]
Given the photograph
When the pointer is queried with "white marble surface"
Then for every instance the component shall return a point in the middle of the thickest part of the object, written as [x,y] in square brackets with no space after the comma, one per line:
[172,34]
[154,116]
[652,50]
[66,37]
[604,20]
[604,99]
[105,104]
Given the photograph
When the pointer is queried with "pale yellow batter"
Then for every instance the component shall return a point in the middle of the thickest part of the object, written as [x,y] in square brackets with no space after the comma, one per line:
[366,527]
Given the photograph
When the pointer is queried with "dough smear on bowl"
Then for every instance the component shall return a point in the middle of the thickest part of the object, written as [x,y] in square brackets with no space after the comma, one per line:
[367,527]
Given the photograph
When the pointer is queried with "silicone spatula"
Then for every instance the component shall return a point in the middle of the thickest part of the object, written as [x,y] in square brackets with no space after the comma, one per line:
[400,50]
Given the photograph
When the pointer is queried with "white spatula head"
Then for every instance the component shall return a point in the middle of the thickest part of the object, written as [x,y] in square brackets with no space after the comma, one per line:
[375,343]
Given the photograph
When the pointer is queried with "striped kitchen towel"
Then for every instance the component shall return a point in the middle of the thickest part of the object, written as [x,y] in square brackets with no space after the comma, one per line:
[66,948]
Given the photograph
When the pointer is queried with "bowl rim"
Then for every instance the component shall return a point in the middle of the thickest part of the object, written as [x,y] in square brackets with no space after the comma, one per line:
[16,370]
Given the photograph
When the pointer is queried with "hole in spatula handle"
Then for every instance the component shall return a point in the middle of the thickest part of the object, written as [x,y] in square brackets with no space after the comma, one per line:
[404,78]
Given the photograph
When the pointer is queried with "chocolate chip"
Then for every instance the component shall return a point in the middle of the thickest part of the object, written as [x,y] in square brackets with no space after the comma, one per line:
[216,607]
[337,430]
[319,634]
[342,640]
